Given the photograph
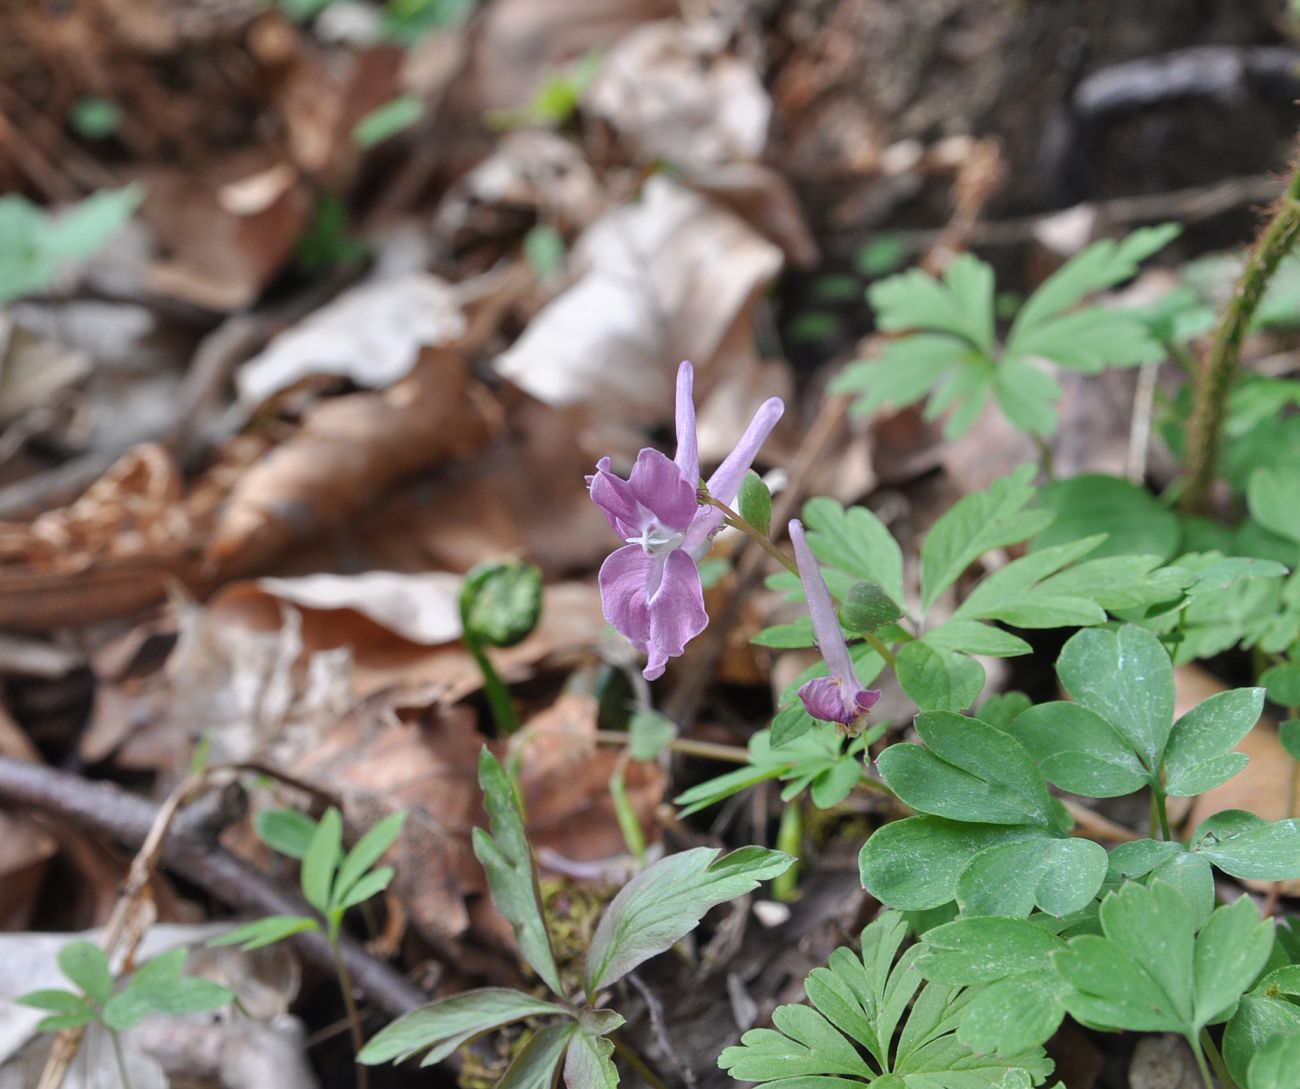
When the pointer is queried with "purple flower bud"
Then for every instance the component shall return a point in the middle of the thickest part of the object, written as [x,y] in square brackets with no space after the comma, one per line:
[650,589]
[840,697]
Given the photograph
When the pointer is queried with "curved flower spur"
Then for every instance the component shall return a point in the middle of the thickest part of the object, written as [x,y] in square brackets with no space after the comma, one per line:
[840,697]
[650,588]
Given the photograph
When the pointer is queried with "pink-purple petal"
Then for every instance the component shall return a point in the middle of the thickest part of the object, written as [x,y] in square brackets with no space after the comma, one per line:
[677,613]
[658,485]
[615,498]
[725,483]
[624,576]
[688,444]
[825,624]
[824,699]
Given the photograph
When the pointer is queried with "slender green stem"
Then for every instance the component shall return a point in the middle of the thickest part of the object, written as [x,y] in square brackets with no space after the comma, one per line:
[705,750]
[349,1004]
[877,644]
[1200,1062]
[118,1054]
[1216,1060]
[498,696]
[738,521]
[1045,459]
[637,1063]
[789,838]
[626,814]
[1162,813]
[1219,370]
[785,560]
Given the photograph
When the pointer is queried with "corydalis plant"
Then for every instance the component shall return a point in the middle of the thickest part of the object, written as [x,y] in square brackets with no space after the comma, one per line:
[653,911]
[650,588]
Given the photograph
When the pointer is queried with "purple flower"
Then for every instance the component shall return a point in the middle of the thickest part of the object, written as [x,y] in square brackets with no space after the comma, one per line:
[839,697]
[650,588]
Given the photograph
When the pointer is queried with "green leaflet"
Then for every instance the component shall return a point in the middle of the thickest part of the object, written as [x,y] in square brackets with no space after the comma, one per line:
[863,999]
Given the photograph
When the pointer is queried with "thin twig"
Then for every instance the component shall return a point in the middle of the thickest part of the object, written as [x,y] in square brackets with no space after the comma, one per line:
[109,811]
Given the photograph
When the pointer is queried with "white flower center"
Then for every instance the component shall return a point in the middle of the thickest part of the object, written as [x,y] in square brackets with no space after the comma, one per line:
[657,540]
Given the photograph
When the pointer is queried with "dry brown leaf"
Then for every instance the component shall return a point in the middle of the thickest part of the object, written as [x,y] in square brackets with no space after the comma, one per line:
[519,40]
[765,200]
[349,450]
[674,95]
[667,279]
[565,783]
[1263,787]
[376,766]
[372,335]
[36,370]
[217,258]
[422,608]
[111,552]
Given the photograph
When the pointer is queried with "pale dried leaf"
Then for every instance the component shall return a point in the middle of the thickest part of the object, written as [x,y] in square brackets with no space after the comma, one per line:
[372,335]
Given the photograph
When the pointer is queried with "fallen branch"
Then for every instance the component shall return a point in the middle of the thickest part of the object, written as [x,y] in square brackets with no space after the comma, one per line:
[110,811]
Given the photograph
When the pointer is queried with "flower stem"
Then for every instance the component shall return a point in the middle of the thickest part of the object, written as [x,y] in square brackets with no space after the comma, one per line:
[787,561]
[1219,370]
[1161,812]
[349,1005]
[498,696]
[789,838]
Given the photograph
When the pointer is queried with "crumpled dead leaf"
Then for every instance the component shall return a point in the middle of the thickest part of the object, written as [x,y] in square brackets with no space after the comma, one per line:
[667,279]
[226,230]
[112,551]
[349,450]
[371,335]
[673,94]
[422,608]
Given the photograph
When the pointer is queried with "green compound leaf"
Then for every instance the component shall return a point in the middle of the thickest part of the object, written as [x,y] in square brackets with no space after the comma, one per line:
[1080,751]
[441,1027]
[937,678]
[1199,756]
[649,733]
[914,864]
[268,931]
[1060,876]
[1150,973]
[855,542]
[981,521]
[285,830]
[1271,496]
[816,759]
[1023,1003]
[512,878]
[967,771]
[1275,1065]
[1126,678]
[159,987]
[666,901]
[368,850]
[1246,846]
[501,603]
[862,1001]
[85,964]
[1134,521]
[961,304]
[1283,684]
[321,859]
